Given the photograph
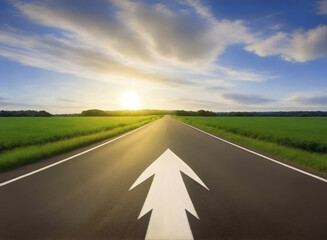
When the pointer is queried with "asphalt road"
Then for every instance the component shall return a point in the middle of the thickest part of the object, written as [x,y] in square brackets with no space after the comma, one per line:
[88,197]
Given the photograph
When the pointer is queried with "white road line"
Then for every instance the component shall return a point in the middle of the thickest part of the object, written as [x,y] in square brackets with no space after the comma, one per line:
[69,158]
[260,155]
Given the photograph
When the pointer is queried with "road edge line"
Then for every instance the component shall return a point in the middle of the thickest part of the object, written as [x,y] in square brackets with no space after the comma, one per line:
[72,157]
[258,154]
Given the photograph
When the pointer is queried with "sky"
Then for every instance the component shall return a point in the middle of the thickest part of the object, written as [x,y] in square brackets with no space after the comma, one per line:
[65,56]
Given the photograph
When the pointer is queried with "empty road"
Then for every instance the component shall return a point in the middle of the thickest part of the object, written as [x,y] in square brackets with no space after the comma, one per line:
[229,193]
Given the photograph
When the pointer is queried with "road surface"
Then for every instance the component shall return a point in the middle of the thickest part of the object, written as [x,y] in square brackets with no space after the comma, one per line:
[90,196]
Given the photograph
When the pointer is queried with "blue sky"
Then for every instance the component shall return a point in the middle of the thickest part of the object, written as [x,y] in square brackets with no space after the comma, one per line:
[66,56]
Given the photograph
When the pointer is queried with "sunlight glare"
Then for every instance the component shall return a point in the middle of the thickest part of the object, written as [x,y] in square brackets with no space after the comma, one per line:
[130,101]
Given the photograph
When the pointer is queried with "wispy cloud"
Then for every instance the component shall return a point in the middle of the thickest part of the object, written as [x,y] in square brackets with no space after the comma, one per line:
[66,100]
[54,54]
[246,99]
[196,104]
[12,105]
[215,88]
[9,104]
[276,26]
[267,16]
[4,105]
[245,75]
[311,99]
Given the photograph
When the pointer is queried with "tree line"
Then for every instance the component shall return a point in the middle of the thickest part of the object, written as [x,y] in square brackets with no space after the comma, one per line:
[97,112]
[23,113]
[146,112]
[253,114]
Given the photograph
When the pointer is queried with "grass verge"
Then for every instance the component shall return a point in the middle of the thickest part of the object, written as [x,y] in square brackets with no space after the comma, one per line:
[317,161]
[24,155]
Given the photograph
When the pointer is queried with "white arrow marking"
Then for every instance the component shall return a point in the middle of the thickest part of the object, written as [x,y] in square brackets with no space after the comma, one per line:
[168,198]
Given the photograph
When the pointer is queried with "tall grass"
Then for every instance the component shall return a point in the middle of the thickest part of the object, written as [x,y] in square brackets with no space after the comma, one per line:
[28,131]
[23,155]
[283,149]
[307,134]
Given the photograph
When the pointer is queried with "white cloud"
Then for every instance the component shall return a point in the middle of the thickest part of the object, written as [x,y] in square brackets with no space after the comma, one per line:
[300,46]
[179,36]
[92,24]
[170,35]
[200,8]
[126,39]
[322,7]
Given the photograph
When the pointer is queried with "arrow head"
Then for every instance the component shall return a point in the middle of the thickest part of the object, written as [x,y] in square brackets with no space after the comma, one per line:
[171,160]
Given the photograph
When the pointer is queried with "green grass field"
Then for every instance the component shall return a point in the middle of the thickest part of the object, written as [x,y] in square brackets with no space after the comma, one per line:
[28,139]
[298,139]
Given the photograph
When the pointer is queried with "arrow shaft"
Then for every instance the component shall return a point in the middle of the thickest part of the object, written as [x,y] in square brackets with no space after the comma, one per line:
[164,226]
[168,218]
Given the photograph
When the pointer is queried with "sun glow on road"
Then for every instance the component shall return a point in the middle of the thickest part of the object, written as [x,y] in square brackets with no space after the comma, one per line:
[130,101]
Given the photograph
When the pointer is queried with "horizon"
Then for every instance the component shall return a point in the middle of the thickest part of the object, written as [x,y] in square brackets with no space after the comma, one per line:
[165,110]
[223,56]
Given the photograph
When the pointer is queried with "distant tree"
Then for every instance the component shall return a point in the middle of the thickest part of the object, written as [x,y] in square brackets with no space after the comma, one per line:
[145,112]
[306,114]
[93,112]
[42,114]
[182,113]
[206,113]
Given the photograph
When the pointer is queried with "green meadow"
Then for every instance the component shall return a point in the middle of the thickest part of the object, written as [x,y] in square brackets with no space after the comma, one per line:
[27,139]
[299,139]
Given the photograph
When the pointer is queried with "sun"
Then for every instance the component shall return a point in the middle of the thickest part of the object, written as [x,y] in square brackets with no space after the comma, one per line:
[130,101]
